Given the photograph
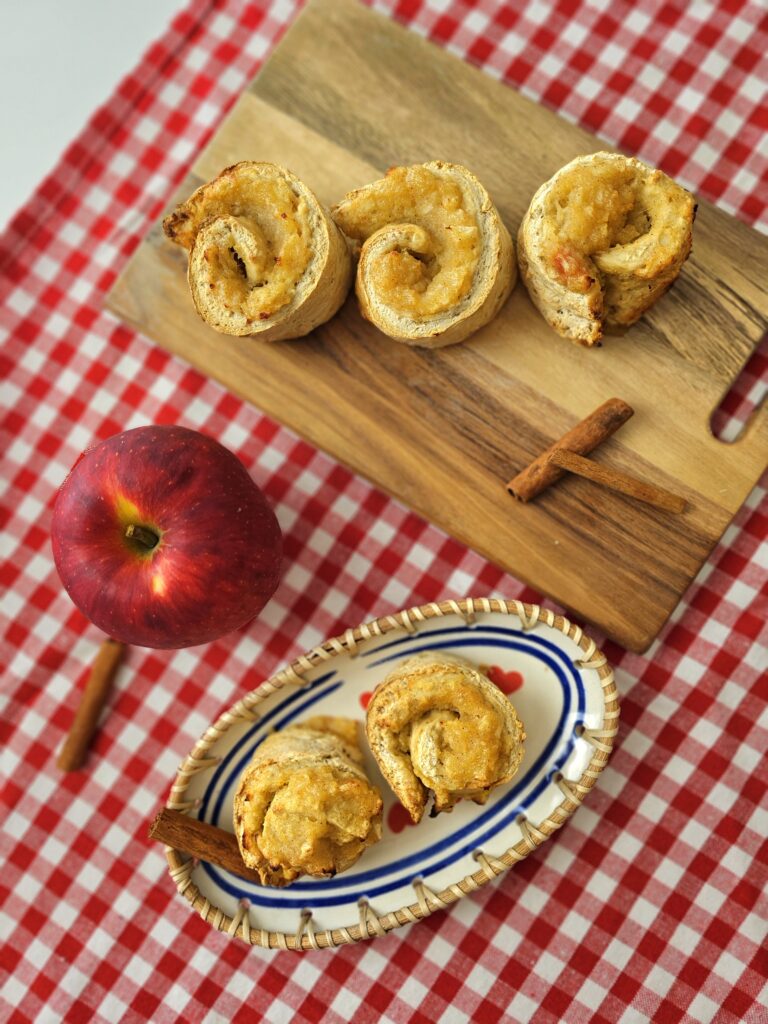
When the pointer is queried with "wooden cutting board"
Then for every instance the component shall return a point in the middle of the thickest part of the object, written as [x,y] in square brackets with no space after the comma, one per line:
[345,95]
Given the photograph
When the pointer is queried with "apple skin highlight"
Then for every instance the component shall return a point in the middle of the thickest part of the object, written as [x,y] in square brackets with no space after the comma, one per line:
[162,539]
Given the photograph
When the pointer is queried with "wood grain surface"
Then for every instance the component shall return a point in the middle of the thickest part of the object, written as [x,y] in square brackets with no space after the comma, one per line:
[345,95]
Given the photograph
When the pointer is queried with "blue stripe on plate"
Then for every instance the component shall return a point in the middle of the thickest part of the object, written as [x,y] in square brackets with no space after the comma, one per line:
[475,627]
[475,639]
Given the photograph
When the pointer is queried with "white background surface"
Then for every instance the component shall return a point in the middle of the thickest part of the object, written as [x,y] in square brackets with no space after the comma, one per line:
[59,61]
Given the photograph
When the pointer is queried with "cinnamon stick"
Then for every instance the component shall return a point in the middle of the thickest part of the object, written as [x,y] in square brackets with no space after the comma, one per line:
[582,439]
[618,481]
[97,689]
[201,840]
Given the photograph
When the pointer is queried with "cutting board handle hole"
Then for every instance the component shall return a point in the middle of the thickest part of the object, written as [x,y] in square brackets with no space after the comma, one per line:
[748,391]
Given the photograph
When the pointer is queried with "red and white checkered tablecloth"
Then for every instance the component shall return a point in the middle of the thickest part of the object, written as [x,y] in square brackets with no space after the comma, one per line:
[651,903]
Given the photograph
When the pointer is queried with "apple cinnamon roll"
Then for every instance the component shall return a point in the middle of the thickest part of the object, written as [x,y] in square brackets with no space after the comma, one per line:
[436,262]
[437,725]
[304,805]
[602,240]
[265,258]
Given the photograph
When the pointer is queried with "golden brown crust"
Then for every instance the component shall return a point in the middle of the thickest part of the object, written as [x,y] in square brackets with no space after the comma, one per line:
[265,258]
[436,262]
[437,724]
[601,241]
[304,804]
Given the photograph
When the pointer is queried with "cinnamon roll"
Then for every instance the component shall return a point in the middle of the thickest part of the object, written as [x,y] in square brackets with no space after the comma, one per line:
[602,240]
[437,725]
[436,262]
[265,258]
[304,805]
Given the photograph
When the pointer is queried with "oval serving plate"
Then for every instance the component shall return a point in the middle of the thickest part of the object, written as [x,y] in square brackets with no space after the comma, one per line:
[564,691]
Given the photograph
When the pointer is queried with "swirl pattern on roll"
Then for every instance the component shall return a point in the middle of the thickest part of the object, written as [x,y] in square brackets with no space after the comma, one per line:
[436,262]
[601,241]
[304,805]
[437,725]
[265,257]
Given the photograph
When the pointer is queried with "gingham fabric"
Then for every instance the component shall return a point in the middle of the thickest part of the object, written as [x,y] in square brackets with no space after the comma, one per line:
[650,904]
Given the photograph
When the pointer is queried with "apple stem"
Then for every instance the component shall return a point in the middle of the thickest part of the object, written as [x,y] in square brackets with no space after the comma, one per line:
[145,537]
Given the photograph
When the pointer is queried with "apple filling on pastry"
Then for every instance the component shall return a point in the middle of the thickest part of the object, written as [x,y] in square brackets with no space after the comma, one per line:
[304,805]
[601,241]
[264,256]
[436,262]
[437,725]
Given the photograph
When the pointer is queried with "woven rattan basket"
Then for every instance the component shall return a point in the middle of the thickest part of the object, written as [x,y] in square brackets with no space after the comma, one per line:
[364,921]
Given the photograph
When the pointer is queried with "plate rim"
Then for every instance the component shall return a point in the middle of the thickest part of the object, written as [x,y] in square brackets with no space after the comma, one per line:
[369,923]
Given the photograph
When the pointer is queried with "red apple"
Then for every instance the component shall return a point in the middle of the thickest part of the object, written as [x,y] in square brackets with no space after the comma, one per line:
[162,539]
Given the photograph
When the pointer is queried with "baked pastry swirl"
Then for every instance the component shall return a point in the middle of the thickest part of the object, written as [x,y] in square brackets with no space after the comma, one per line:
[437,724]
[265,258]
[601,241]
[304,804]
[436,262]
